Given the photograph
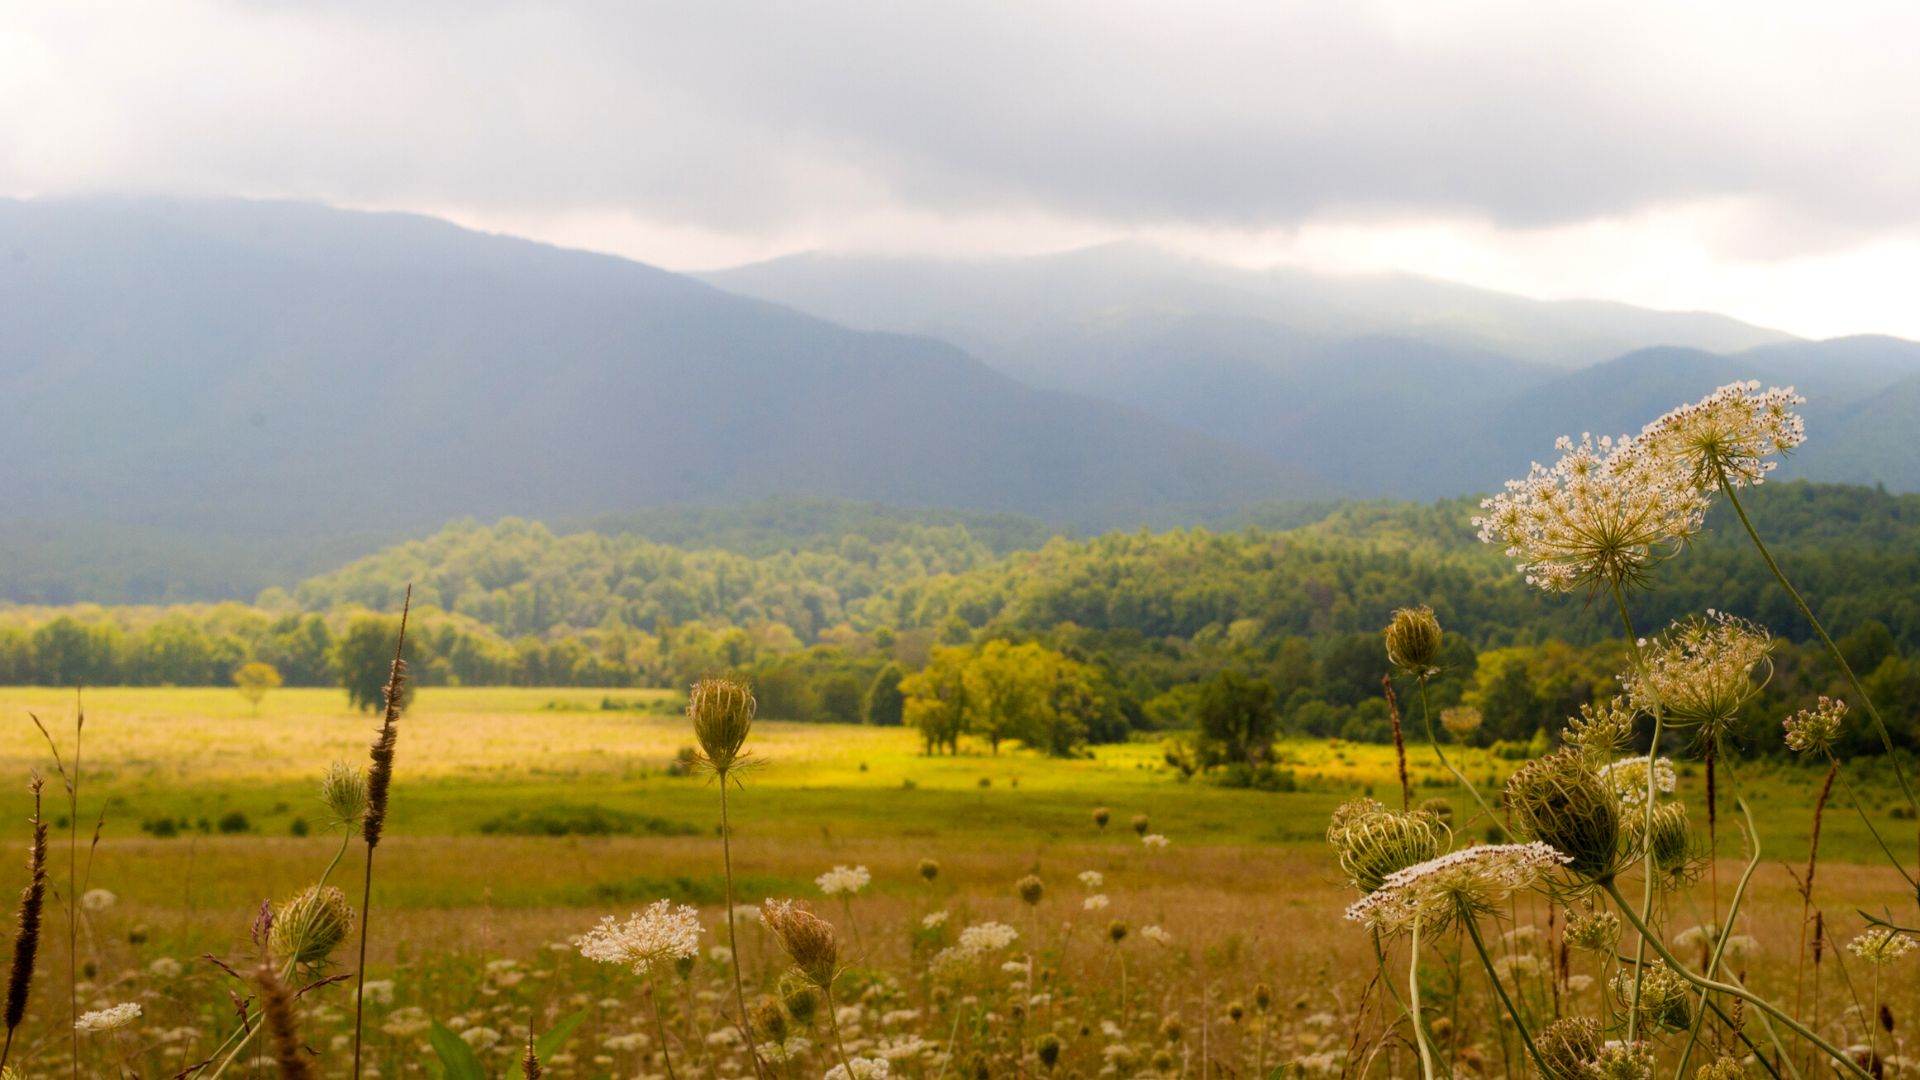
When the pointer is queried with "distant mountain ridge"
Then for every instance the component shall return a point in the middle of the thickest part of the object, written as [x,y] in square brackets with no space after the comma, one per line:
[1392,387]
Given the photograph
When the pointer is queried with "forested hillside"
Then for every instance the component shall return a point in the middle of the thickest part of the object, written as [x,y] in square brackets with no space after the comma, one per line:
[820,620]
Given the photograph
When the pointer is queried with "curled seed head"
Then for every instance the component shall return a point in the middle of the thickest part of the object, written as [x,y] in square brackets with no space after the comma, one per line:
[929,869]
[307,928]
[722,714]
[1030,889]
[807,938]
[1140,824]
[344,791]
[1116,931]
[1566,1046]
[1413,641]
[770,1020]
[1102,815]
[1560,801]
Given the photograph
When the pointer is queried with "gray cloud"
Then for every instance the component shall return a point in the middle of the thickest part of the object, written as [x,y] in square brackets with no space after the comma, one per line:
[750,117]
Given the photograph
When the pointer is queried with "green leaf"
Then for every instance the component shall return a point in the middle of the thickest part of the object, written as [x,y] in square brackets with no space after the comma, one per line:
[457,1059]
[556,1037]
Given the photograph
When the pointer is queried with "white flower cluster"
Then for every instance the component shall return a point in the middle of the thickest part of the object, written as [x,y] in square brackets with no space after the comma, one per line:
[1627,779]
[1432,893]
[863,1068]
[1155,841]
[648,939]
[1599,517]
[1879,945]
[843,879]
[1156,935]
[110,1019]
[1094,903]
[1092,879]
[1701,671]
[1735,429]
[987,936]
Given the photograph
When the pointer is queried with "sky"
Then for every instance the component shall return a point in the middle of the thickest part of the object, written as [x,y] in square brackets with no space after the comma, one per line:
[1747,157]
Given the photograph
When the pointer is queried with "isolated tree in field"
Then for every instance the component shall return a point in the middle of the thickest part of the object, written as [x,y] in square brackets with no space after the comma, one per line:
[363,659]
[886,705]
[936,699]
[1236,719]
[253,680]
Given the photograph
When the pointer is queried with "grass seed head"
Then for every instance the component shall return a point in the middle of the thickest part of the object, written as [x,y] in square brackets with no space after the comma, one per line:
[26,941]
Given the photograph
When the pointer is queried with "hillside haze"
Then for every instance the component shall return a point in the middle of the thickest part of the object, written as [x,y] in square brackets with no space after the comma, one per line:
[292,373]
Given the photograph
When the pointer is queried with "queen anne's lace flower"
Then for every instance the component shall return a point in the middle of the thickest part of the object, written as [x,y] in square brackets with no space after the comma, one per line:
[1092,879]
[843,879]
[1702,670]
[1814,730]
[874,1068]
[1094,902]
[112,1019]
[1470,881]
[652,938]
[988,936]
[1627,779]
[1881,945]
[1156,935]
[1599,517]
[1154,841]
[1735,429]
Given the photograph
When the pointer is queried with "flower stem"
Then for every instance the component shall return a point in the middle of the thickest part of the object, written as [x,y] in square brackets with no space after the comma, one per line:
[1886,738]
[833,1019]
[1426,715]
[733,941]
[1413,994]
[1653,748]
[1479,946]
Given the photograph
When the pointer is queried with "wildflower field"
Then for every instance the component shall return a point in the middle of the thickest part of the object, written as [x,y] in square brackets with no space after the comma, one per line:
[649,884]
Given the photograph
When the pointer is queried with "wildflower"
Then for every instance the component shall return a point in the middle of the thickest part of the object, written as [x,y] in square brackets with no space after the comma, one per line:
[1814,730]
[1600,732]
[1621,1061]
[97,899]
[1881,945]
[1665,836]
[166,967]
[1029,889]
[1156,935]
[344,792]
[1579,983]
[1371,841]
[309,926]
[1594,931]
[1731,432]
[933,919]
[1092,879]
[1722,1068]
[1461,721]
[843,879]
[988,936]
[112,1019]
[378,991]
[481,1038]
[807,938]
[722,714]
[1467,882]
[1096,902]
[1702,671]
[649,940]
[1154,841]
[862,1068]
[1566,1046]
[1561,802]
[1601,517]
[1627,779]
[1413,641]
[1665,1000]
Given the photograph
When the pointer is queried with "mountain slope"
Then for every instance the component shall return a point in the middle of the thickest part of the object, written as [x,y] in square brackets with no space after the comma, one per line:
[285,370]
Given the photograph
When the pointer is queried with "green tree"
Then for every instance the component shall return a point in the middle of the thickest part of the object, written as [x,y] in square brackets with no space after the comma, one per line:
[253,680]
[1237,719]
[936,699]
[886,705]
[363,660]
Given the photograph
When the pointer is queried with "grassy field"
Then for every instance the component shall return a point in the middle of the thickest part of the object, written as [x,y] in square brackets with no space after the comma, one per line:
[1246,885]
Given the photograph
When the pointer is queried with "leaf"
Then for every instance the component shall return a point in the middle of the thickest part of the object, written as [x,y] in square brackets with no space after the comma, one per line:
[456,1057]
[556,1037]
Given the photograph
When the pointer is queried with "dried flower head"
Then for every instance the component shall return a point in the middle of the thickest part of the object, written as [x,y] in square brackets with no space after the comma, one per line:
[1101,815]
[1566,1046]
[1813,731]
[722,714]
[1140,824]
[808,939]
[1029,889]
[1701,671]
[1116,931]
[929,870]
[1413,641]
[648,942]
[1461,721]
[1881,945]
[344,792]
[1664,1001]
[770,1020]
[1733,431]
[1560,801]
[1466,883]
[1601,517]
[1372,842]
[308,927]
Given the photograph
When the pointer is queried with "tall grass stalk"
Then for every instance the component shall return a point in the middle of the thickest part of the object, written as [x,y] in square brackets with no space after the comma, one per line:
[26,942]
[71,781]
[379,780]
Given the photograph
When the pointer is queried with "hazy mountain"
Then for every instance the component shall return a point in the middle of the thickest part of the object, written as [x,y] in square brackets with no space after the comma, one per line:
[1013,312]
[259,369]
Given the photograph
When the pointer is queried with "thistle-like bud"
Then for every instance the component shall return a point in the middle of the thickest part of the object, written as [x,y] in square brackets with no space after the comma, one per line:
[309,926]
[1101,815]
[1140,824]
[1413,641]
[1372,842]
[1030,889]
[1171,1029]
[929,870]
[807,938]
[1566,1046]
[1560,801]
[797,996]
[344,792]
[722,714]
[1116,931]
[1262,997]
[770,1020]
[1236,1011]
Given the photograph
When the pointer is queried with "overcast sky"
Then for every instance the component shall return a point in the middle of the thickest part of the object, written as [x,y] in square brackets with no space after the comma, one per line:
[1755,158]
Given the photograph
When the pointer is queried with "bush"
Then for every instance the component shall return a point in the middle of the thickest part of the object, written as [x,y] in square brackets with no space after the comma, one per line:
[582,820]
[233,821]
[164,827]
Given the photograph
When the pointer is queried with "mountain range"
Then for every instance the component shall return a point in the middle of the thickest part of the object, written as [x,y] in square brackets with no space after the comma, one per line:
[213,396]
